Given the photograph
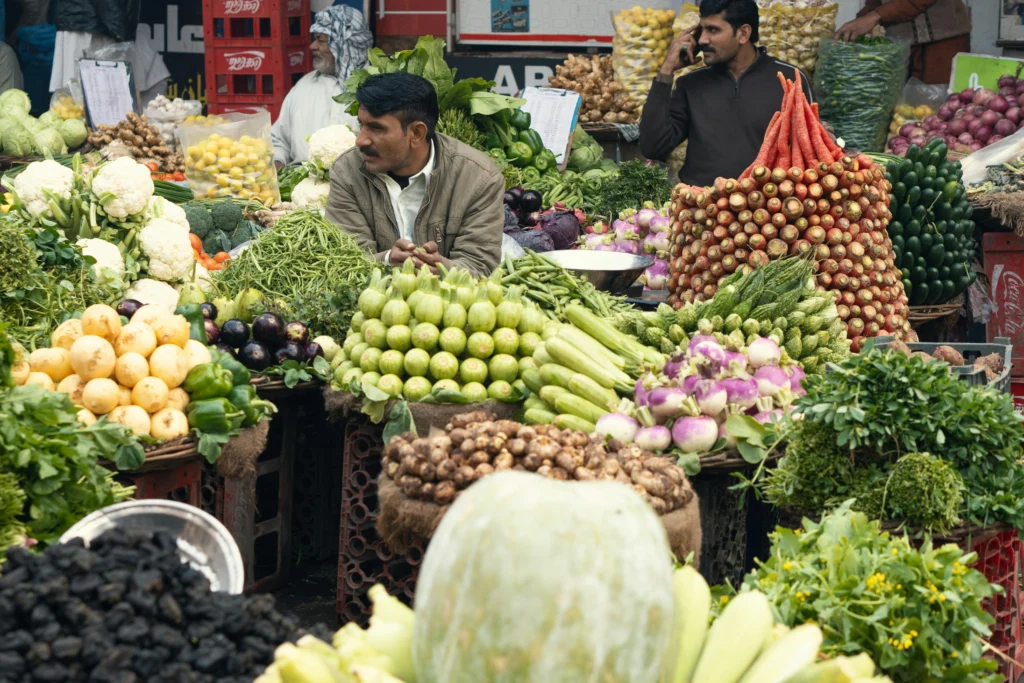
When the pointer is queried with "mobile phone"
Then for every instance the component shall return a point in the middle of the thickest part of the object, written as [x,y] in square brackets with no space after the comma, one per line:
[684,55]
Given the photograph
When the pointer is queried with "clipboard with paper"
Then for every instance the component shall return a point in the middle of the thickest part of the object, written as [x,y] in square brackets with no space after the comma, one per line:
[108,88]
[553,113]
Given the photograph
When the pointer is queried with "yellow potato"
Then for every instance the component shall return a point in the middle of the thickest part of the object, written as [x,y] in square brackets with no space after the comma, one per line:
[178,399]
[92,357]
[72,385]
[150,394]
[171,329]
[20,372]
[149,314]
[124,396]
[170,363]
[101,395]
[102,321]
[85,416]
[130,368]
[133,417]
[67,333]
[55,362]
[169,424]
[40,379]
[135,337]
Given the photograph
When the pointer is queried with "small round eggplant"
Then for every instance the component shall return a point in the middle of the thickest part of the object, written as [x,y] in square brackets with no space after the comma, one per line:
[128,307]
[234,332]
[313,350]
[224,348]
[268,328]
[209,311]
[289,350]
[296,332]
[255,356]
[212,331]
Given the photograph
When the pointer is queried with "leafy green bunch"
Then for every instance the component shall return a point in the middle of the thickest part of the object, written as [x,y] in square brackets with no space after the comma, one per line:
[635,184]
[427,60]
[56,459]
[918,613]
[882,405]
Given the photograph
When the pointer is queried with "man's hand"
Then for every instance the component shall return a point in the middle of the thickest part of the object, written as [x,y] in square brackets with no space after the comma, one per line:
[428,256]
[852,30]
[680,53]
[278,165]
[402,251]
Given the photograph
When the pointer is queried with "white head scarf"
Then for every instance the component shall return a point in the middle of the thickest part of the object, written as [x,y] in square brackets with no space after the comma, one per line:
[348,37]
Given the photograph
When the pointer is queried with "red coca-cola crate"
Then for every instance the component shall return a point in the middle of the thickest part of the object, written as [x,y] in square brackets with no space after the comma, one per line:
[244,108]
[248,22]
[1017,391]
[1004,266]
[249,74]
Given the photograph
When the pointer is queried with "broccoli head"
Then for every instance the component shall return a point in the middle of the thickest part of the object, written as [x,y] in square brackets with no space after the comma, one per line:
[245,231]
[925,491]
[216,241]
[226,215]
[199,220]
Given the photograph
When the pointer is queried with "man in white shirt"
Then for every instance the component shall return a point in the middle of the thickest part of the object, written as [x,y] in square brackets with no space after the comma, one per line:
[341,40]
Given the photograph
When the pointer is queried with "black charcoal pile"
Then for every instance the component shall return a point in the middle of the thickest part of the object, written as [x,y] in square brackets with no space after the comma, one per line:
[128,610]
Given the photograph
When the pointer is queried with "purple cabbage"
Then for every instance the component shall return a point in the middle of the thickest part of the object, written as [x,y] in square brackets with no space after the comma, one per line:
[563,227]
[511,219]
[537,240]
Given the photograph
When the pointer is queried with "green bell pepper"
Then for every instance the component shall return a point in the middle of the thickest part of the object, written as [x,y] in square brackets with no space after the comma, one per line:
[244,398]
[239,372]
[497,154]
[532,138]
[493,141]
[520,119]
[214,415]
[196,324]
[531,175]
[544,161]
[208,380]
[520,154]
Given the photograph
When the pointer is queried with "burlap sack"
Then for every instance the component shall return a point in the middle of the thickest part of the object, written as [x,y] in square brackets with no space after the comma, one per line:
[403,522]
[1006,207]
[239,455]
[340,404]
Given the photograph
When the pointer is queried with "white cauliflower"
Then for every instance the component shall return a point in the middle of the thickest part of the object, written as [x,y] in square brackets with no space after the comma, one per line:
[40,178]
[153,292]
[123,187]
[161,208]
[168,249]
[310,193]
[327,144]
[109,264]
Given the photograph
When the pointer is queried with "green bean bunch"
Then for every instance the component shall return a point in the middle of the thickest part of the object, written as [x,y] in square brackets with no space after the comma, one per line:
[307,268]
[857,86]
[552,287]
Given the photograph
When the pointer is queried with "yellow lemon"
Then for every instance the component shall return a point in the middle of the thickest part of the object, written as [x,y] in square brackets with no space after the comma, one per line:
[222,180]
[212,192]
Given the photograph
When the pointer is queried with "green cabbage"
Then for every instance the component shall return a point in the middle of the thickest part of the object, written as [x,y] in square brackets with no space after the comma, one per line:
[32,125]
[17,98]
[74,132]
[50,142]
[6,124]
[13,112]
[18,142]
[50,118]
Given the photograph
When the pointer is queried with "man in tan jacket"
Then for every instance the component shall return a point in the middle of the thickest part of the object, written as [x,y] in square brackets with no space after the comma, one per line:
[407,192]
[936,30]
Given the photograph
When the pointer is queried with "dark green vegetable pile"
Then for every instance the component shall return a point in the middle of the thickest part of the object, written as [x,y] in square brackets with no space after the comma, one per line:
[860,422]
[931,229]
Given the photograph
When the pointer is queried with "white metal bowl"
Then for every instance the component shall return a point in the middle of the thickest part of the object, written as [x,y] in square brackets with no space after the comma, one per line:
[609,271]
[203,542]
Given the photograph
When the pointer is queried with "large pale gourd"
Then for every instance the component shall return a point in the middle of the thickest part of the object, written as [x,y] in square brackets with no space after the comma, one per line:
[533,580]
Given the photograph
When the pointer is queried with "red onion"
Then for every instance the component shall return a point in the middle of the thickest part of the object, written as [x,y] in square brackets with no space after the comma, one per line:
[976,109]
[1006,80]
[994,139]
[906,130]
[1013,115]
[967,95]
[962,148]
[946,112]
[965,138]
[975,146]
[930,121]
[1020,100]
[990,117]
[983,95]
[1019,88]
[983,134]
[950,140]
[919,140]
[973,127]
[957,127]
[1007,91]
[998,103]
[1004,128]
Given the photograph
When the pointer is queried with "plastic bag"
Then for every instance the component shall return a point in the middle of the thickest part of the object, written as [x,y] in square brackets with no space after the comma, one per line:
[165,115]
[975,166]
[233,158]
[857,86]
[68,102]
[919,101]
[792,33]
[641,41]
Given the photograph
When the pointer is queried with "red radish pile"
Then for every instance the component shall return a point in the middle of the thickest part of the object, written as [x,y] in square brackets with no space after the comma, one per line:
[969,120]
[827,203]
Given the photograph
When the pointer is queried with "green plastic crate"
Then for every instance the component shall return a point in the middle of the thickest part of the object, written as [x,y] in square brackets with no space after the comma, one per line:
[970,352]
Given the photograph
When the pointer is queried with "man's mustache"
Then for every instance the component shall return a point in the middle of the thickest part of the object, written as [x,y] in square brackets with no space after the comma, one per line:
[369,152]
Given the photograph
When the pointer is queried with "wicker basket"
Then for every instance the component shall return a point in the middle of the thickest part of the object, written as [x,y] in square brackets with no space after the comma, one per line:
[267,386]
[721,462]
[922,314]
[164,455]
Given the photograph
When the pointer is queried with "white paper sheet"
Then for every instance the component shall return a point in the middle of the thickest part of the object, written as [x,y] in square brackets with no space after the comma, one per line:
[107,90]
[554,113]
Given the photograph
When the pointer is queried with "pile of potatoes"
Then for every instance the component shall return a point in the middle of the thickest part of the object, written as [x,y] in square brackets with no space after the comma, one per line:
[132,374]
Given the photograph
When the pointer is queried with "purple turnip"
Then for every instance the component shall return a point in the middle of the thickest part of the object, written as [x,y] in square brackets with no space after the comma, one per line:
[618,426]
[695,434]
[654,439]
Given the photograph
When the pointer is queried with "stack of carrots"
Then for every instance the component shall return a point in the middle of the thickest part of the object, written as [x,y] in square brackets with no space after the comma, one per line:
[795,137]
[802,195]
[215,262]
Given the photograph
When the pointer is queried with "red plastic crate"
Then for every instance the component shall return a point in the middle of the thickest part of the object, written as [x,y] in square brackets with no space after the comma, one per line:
[1004,266]
[244,108]
[1017,391]
[999,559]
[253,74]
[181,482]
[229,23]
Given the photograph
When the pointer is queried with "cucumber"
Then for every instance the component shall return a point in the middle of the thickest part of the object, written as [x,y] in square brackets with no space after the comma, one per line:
[575,423]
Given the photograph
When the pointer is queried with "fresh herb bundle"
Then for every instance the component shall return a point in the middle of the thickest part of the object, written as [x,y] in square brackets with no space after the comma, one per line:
[918,613]
[55,458]
[881,405]
[635,184]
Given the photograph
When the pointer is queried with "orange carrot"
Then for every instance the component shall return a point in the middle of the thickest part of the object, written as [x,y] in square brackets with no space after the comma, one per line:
[815,132]
[803,140]
[786,120]
[770,140]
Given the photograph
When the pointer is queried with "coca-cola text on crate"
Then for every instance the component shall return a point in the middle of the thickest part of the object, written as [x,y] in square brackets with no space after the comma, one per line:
[1004,266]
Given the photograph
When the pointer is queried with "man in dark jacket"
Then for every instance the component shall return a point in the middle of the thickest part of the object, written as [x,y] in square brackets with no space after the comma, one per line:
[724,108]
